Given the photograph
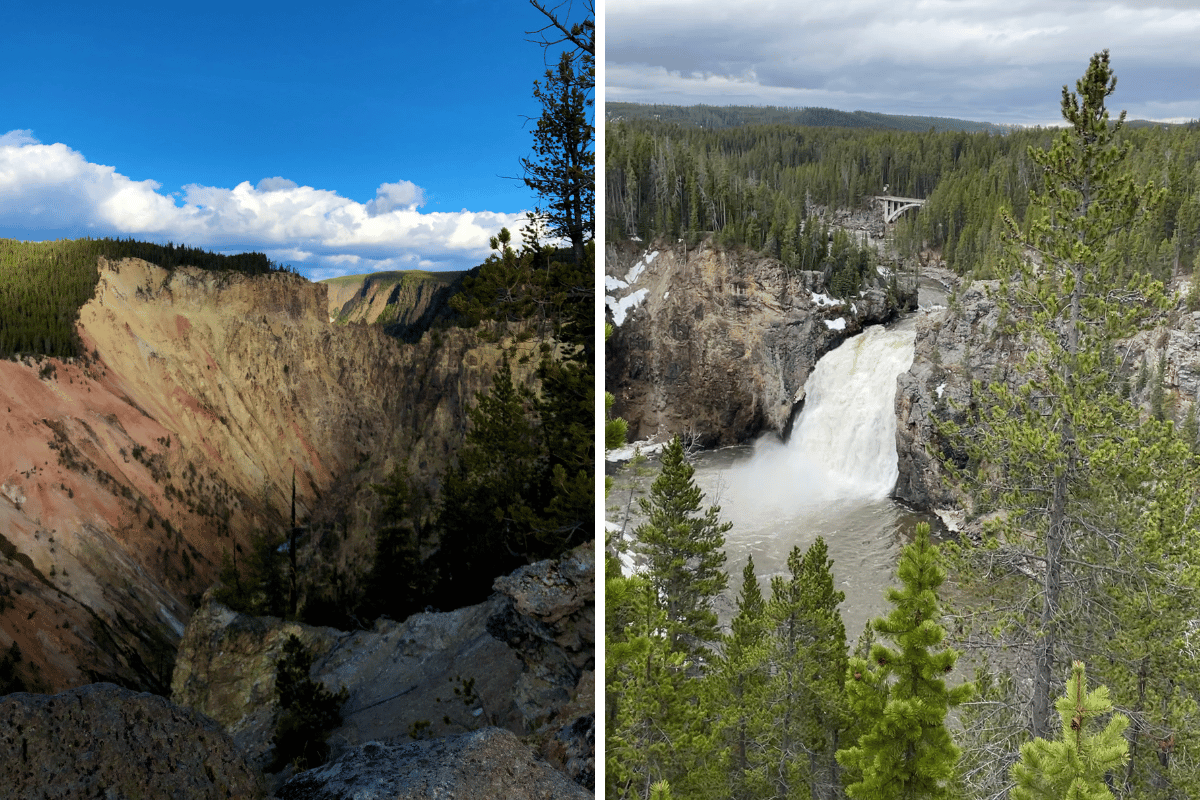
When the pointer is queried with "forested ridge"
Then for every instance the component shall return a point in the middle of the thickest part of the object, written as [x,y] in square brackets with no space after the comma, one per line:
[1080,567]
[44,284]
[705,116]
[755,186]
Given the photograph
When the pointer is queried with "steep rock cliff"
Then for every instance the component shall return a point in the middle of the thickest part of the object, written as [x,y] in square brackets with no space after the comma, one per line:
[127,475]
[959,344]
[953,347]
[405,303]
[717,344]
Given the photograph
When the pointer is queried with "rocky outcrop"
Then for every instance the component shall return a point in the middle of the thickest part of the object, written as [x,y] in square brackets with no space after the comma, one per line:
[717,344]
[405,303]
[959,344]
[104,741]
[524,660]
[488,763]
[953,347]
[128,474]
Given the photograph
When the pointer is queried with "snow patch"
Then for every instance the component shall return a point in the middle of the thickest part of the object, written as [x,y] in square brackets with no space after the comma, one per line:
[636,271]
[611,284]
[628,451]
[666,295]
[941,388]
[620,308]
[838,324]
[825,300]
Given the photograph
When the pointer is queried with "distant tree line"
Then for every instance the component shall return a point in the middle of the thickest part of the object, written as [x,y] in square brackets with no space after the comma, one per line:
[754,186]
[44,284]
[716,117]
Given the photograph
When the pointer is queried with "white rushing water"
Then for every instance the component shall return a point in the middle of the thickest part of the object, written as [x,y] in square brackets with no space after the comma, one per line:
[844,443]
[831,479]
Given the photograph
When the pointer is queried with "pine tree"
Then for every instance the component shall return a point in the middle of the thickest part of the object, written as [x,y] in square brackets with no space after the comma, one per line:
[490,501]
[905,751]
[399,581]
[654,728]
[1079,764]
[562,171]
[741,677]
[1075,471]
[808,660]
[683,547]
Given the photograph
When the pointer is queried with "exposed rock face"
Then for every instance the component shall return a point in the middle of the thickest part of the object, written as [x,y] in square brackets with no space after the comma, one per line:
[404,303]
[126,477]
[104,741]
[718,344]
[488,763]
[957,345]
[952,348]
[529,649]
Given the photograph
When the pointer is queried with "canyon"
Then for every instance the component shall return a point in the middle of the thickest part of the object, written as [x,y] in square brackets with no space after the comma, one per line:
[718,345]
[208,408]
[127,475]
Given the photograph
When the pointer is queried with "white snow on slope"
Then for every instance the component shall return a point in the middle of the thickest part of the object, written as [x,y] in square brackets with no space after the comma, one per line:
[620,308]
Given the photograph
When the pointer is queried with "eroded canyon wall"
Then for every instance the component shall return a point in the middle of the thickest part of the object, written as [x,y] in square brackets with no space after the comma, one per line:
[717,344]
[962,343]
[127,475]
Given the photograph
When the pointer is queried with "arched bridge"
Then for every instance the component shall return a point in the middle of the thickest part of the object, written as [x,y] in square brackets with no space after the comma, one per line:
[893,207]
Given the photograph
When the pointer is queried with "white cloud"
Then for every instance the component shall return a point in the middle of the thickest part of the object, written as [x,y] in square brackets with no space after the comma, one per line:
[55,188]
[402,194]
[17,138]
[998,60]
[274,184]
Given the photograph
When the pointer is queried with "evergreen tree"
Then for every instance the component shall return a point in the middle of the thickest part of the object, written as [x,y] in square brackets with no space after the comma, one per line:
[741,675]
[649,696]
[488,512]
[505,287]
[562,170]
[905,751]
[1079,477]
[309,711]
[808,664]
[683,546]
[399,581]
[1078,765]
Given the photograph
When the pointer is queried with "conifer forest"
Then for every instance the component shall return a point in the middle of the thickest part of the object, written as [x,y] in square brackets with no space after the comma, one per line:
[1052,652]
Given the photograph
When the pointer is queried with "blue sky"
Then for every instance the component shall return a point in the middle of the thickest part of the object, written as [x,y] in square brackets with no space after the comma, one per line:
[337,137]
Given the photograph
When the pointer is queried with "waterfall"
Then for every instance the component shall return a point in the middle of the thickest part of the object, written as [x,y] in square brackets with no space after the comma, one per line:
[843,446]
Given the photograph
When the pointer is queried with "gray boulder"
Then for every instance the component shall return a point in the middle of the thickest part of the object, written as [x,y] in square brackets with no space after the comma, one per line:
[104,741]
[488,763]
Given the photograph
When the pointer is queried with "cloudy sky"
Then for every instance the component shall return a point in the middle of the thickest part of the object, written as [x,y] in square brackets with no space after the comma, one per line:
[1001,61]
[337,137]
